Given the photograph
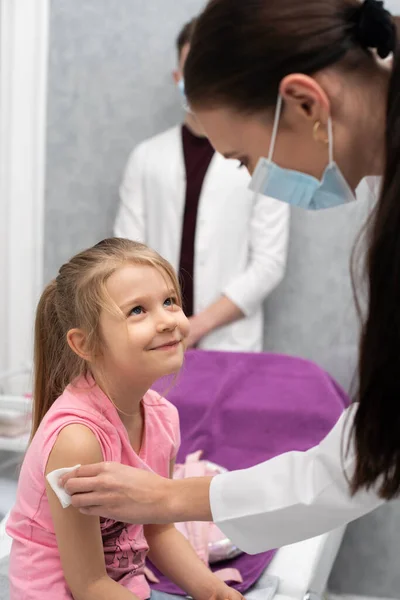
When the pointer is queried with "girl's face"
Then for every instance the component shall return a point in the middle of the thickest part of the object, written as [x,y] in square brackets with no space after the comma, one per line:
[148,342]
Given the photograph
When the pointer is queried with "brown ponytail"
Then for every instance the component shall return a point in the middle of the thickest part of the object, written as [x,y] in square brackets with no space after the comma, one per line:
[55,365]
[377,423]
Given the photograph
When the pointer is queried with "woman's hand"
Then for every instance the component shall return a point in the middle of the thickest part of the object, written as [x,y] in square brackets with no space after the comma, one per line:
[119,492]
[197,331]
[132,495]
[222,312]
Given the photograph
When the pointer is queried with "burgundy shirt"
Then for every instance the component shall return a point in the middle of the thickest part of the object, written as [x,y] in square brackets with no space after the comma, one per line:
[198,153]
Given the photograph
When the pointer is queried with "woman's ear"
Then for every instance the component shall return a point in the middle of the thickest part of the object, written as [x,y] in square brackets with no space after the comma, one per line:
[176,76]
[304,98]
[77,341]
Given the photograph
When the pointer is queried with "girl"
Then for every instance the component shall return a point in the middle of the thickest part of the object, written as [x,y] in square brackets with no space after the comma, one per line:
[107,327]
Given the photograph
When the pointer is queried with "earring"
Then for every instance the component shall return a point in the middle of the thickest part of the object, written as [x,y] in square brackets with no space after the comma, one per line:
[317,138]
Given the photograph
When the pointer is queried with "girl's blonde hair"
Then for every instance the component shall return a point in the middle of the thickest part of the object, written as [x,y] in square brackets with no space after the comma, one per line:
[75,299]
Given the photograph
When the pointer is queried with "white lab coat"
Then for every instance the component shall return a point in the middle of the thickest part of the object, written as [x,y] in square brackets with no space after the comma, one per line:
[241,238]
[294,496]
[297,495]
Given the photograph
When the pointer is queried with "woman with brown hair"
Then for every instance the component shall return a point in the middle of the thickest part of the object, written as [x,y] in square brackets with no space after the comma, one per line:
[306,95]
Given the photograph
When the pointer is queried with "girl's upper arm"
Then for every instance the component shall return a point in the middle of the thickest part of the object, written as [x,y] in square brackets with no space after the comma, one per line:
[78,536]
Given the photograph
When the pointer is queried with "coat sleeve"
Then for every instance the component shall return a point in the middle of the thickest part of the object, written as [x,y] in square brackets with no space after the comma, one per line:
[269,232]
[293,496]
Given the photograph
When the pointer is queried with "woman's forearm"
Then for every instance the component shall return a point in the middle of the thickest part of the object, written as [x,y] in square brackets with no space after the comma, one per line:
[187,500]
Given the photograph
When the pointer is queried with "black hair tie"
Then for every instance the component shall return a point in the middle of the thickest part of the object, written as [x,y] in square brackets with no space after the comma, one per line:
[375,28]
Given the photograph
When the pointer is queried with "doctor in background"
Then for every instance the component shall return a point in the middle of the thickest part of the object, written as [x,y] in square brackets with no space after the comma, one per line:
[303,94]
[194,207]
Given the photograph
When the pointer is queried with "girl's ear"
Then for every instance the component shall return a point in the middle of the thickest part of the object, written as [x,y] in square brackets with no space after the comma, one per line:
[77,341]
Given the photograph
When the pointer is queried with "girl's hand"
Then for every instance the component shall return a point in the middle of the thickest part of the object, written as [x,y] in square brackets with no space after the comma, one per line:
[224,592]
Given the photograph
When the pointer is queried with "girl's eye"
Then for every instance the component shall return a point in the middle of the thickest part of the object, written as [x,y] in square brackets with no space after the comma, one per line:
[138,310]
[170,302]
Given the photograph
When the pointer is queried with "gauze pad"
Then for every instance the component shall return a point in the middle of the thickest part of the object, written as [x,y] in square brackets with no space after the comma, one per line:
[53,479]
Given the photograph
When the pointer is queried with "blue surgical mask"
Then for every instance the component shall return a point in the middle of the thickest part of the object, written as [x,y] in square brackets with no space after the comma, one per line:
[181,87]
[296,188]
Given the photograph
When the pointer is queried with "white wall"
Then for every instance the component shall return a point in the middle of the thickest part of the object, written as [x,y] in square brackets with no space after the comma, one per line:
[393,6]
[23,92]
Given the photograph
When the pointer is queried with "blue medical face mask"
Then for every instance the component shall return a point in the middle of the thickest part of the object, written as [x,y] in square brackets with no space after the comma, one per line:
[181,87]
[296,188]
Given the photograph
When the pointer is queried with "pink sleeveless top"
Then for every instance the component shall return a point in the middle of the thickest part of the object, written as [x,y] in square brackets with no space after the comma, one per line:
[35,566]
